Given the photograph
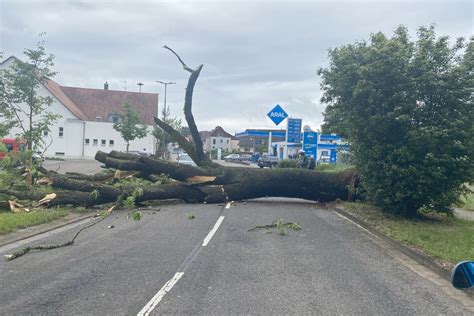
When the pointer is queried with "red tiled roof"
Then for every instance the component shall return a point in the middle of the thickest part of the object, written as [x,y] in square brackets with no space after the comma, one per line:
[98,103]
[90,104]
[55,90]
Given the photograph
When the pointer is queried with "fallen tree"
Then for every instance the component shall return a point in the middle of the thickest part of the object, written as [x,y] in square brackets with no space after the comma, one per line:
[207,182]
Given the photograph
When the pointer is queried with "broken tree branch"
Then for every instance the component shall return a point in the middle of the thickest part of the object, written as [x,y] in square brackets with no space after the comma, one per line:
[25,250]
[185,67]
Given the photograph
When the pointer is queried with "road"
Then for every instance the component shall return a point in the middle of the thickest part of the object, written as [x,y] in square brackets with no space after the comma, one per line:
[170,264]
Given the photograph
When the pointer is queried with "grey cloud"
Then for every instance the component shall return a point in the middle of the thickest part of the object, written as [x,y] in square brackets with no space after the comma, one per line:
[256,53]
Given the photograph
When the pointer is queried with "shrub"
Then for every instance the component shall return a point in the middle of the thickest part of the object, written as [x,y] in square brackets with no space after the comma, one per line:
[287,163]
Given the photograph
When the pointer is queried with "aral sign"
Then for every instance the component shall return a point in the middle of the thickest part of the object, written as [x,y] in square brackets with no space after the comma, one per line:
[277,114]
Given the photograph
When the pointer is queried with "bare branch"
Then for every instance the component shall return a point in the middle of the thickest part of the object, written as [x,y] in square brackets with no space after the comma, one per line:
[179,58]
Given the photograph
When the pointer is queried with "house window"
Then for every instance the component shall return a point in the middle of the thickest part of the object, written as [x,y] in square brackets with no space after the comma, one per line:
[221,141]
[59,153]
[220,134]
[102,142]
[87,141]
[111,142]
[227,141]
[61,131]
[95,142]
[325,153]
[214,141]
[45,133]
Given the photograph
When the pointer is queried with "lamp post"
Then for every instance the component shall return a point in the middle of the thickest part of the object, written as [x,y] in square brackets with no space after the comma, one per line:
[164,112]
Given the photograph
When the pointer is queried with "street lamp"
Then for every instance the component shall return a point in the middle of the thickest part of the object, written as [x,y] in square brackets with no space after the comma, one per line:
[164,112]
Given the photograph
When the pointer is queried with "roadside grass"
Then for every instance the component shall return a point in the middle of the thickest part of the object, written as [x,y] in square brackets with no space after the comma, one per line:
[467,201]
[448,239]
[10,222]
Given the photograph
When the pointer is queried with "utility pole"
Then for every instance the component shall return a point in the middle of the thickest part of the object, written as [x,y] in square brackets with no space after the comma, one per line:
[164,112]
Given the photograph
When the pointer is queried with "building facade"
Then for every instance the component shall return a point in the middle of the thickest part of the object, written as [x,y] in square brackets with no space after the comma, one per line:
[87,118]
[218,138]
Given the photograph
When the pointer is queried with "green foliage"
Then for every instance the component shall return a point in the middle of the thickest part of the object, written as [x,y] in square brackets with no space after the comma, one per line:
[137,215]
[130,201]
[287,163]
[95,194]
[13,167]
[406,109]
[20,104]
[280,226]
[129,125]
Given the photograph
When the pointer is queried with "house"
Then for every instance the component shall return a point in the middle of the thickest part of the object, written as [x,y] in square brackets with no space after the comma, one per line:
[219,138]
[87,118]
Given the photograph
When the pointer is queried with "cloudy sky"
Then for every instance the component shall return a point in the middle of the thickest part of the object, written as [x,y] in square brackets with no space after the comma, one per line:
[256,54]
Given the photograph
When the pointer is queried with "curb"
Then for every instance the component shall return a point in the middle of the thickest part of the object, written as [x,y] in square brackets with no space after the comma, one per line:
[416,255]
[4,240]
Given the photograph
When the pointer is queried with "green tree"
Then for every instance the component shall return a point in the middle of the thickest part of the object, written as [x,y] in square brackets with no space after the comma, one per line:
[20,104]
[164,138]
[406,108]
[128,125]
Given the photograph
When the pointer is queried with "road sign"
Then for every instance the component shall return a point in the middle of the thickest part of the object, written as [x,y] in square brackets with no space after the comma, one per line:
[294,130]
[277,114]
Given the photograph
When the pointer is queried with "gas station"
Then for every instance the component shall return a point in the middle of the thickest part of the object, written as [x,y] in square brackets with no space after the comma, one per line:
[287,143]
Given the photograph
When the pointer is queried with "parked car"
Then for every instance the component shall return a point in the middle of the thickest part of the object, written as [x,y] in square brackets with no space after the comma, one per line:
[185,159]
[246,157]
[267,161]
[232,157]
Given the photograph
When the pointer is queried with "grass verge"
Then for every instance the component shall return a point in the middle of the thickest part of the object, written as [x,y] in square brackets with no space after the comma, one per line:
[447,239]
[10,222]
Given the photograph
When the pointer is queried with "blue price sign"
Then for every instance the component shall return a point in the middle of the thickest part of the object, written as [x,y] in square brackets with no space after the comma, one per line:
[294,130]
[277,114]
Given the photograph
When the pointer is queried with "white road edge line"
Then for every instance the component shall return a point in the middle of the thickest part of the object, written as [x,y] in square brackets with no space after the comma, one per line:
[213,231]
[150,306]
[364,229]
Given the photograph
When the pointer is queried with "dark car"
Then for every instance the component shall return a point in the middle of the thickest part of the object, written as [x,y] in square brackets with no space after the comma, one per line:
[268,161]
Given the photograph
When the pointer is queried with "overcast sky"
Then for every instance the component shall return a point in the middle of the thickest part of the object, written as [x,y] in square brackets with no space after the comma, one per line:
[256,54]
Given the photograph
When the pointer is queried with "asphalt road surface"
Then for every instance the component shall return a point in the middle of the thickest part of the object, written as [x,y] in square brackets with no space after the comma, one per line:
[170,264]
[86,166]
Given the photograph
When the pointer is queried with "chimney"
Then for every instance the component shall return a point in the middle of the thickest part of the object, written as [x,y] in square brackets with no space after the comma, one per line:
[106,86]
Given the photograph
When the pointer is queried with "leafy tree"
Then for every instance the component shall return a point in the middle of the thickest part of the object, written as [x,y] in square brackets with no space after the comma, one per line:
[164,138]
[20,104]
[129,125]
[406,108]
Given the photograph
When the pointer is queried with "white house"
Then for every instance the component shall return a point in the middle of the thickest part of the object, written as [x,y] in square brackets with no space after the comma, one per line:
[219,138]
[87,117]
